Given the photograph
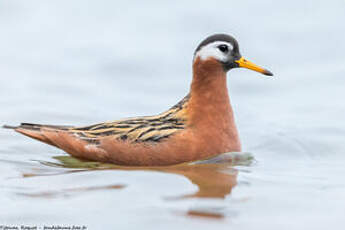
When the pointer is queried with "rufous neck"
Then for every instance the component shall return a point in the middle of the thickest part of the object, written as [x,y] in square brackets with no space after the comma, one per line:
[209,108]
[209,93]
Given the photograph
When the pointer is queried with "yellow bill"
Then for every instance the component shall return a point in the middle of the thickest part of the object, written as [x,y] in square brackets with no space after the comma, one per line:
[242,62]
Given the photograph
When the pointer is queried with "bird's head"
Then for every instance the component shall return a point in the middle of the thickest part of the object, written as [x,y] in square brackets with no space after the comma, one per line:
[224,49]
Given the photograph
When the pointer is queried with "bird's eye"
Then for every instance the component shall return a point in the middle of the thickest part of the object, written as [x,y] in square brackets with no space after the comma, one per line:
[223,48]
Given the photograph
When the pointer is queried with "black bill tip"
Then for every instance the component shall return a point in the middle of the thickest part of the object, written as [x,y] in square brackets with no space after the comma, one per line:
[268,73]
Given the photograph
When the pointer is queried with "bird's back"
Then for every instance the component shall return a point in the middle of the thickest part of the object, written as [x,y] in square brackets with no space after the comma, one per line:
[136,130]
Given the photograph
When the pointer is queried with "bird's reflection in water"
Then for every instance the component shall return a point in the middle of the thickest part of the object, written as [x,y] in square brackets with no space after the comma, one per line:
[213,181]
[215,177]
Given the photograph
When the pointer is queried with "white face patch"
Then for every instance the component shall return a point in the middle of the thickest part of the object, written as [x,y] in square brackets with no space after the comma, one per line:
[212,51]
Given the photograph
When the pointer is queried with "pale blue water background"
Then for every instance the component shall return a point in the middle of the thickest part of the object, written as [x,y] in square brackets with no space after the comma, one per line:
[82,62]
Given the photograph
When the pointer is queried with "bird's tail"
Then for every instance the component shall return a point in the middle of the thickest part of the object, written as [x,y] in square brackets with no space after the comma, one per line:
[32,126]
[9,127]
[35,130]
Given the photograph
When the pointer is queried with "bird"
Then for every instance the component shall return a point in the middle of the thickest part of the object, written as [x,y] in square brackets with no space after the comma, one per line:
[200,126]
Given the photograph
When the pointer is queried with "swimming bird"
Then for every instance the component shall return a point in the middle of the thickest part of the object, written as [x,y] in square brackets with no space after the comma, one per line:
[200,126]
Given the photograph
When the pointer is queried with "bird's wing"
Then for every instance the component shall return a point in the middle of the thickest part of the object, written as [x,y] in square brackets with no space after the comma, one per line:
[139,129]
[142,129]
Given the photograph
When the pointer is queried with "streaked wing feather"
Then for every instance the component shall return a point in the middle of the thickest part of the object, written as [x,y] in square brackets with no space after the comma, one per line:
[139,129]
